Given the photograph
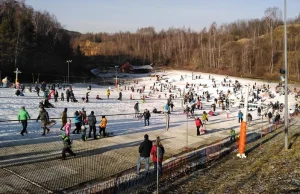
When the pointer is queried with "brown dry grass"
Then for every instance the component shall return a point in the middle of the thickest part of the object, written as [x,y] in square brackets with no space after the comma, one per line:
[270,169]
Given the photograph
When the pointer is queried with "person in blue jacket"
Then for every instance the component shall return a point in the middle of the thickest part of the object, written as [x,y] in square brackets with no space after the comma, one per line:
[77,121]
[240,116]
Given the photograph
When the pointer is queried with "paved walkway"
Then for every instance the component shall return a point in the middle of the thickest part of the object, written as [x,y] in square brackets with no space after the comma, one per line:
[37,167]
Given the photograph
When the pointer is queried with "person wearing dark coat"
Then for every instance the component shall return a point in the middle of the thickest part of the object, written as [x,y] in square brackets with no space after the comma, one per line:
[18,93]
[120,96]
[92,124]
[144,150]
[37,89]
[55,96]
[64,117]
[147,116]
[62,98]
[68,94]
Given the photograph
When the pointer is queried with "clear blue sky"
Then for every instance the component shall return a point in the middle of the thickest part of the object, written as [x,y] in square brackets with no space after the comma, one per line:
[128,15]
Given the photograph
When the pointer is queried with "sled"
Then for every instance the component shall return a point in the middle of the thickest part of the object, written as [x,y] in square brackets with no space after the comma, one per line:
[140,116]
[50,124]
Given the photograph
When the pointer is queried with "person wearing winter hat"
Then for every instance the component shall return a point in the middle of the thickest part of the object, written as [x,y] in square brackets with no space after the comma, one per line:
[144,150]
[67,146]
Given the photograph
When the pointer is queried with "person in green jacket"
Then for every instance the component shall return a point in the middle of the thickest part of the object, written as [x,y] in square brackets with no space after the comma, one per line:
[232,135]
[22,117]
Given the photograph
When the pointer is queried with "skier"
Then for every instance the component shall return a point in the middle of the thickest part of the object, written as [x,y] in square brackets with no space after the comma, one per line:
[22,117]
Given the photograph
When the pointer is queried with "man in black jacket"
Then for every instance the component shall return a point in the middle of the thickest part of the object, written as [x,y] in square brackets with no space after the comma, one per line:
[147,116]
[144,150]
[92,123]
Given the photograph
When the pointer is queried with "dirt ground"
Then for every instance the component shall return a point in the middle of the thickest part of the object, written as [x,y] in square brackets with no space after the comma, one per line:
[269,168]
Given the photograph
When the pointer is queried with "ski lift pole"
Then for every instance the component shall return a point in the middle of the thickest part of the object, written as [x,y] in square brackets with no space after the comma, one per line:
[243,129]
[157,171]
[17,72]
[187,131]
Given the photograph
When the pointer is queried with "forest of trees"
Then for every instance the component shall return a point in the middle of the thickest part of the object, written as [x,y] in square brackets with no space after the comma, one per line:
[251,48]
[33,41]
[36,42]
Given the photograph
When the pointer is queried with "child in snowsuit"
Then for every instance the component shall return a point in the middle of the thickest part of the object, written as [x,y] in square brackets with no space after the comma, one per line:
[67,146]
[232,135]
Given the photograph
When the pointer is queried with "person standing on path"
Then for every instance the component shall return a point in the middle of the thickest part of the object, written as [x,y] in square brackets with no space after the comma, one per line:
[147,116]
[92,124]
[67,127]
[55,96]
[64,117]
[240,116]
[44,119]
[77,121]
[157,158]
[23,116]
[83,116]
[136,109]
[144,150]
[68,94]
[198,125]
[102,126]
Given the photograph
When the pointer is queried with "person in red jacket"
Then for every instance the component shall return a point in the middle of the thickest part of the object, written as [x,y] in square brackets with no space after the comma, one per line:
[198,125]
[157,158]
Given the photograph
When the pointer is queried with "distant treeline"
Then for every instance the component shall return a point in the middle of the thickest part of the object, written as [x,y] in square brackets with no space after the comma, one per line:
[33,41]
[252,48]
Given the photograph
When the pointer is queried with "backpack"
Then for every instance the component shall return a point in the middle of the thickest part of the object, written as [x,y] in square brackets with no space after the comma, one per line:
[160,153]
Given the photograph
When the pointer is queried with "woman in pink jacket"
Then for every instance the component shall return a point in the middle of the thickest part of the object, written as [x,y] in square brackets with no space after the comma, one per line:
[68,127]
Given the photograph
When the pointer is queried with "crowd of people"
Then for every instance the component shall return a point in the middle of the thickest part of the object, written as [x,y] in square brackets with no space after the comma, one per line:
[192,100]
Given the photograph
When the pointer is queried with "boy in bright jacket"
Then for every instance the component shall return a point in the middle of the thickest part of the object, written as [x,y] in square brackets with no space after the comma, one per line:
[102,126]
[23,116]
[67,146]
